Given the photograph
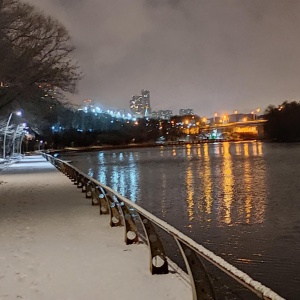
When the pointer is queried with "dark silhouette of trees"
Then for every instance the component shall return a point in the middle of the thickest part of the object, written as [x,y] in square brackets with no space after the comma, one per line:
[34,49]
[283,122]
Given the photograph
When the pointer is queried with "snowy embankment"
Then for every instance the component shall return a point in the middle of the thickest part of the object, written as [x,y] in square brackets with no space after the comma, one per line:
[54,244]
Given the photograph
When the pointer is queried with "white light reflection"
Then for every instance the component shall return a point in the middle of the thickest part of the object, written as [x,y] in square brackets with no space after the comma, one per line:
[133,178]
[102,171]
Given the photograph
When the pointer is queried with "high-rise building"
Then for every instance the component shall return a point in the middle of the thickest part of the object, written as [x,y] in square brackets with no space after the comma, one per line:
[186,112]
[137,106]
[146,99]
[140,105]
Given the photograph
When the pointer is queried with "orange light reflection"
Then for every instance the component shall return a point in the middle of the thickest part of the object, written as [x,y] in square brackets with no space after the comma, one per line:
[227,183]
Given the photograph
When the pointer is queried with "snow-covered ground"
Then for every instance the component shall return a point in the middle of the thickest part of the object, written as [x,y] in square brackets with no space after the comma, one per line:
[55,245]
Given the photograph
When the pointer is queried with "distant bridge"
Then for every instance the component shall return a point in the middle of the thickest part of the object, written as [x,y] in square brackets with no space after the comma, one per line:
[254,128]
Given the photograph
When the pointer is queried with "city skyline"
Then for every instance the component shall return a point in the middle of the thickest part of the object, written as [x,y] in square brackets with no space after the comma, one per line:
[88,105]
[212,56]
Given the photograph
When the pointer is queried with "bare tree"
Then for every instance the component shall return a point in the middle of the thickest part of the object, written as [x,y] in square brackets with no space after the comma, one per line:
[34,49]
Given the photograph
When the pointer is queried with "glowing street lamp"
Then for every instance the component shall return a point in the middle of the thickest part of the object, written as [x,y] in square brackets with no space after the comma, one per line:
[6,128]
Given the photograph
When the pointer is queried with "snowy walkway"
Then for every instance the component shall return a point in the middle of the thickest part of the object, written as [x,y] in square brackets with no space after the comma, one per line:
[54,244]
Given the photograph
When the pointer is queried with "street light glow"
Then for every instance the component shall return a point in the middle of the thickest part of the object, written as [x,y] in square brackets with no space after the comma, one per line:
[18,113]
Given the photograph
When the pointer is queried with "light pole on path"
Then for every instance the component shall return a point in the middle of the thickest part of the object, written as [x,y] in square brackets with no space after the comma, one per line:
[16,133]
[6,128]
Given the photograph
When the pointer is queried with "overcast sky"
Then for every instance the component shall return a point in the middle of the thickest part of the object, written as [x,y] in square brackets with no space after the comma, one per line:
[212,55]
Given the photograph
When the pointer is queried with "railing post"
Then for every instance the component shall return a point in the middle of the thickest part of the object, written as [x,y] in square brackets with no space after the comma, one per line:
[95,195]
[158,260]
[103,203]
[115,217]
[84,185]
[80,181]
[200,282]
[89,190]
[75,177]
[131,232]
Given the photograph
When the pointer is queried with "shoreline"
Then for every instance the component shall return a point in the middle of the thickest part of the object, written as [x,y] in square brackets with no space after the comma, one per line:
[144,145]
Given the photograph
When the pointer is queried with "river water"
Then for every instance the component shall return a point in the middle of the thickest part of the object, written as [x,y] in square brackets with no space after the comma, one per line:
[240,200]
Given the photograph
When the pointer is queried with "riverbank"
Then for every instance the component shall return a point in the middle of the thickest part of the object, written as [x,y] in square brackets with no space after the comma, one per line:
[142,145]
[54,244]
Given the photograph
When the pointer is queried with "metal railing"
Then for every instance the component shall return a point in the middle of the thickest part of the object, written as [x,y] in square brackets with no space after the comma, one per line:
[124,212]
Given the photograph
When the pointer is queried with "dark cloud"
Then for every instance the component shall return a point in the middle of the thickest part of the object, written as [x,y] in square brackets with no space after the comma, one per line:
[217,55]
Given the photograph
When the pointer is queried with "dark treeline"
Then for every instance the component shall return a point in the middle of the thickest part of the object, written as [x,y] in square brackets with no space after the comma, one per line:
[283,122]
[102,129]
[63,126]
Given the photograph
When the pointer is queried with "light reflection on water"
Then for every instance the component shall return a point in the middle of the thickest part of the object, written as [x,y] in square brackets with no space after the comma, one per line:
[238,199]
[215,187]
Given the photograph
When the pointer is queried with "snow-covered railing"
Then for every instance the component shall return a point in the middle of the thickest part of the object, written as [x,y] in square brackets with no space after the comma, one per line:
[122,211]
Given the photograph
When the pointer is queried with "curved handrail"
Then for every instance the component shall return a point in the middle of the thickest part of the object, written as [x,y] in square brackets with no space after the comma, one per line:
[254,286]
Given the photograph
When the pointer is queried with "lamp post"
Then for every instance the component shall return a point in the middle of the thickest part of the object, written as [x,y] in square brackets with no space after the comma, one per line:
[6,128]
[16,132]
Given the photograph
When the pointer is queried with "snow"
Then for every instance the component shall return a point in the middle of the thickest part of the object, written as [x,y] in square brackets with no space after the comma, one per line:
[55,245]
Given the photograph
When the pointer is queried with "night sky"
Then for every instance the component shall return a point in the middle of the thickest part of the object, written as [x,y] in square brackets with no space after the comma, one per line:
[212,55]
